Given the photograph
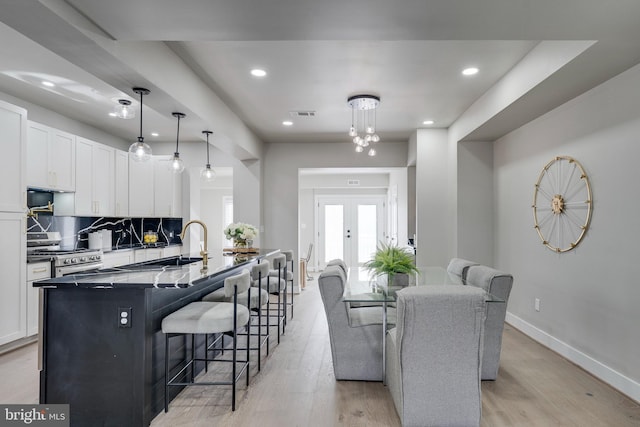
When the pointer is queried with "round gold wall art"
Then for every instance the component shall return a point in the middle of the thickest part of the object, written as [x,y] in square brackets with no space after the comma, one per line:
[562,204]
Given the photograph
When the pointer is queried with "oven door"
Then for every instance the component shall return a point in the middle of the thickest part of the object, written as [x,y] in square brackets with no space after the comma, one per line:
[73,269]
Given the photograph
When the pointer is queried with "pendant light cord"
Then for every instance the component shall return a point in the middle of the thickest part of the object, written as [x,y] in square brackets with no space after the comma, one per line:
[140,137]
[178,135]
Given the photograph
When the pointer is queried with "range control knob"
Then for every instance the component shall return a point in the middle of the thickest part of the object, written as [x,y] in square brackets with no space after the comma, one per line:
[83,259]
[74,260]
[67,261]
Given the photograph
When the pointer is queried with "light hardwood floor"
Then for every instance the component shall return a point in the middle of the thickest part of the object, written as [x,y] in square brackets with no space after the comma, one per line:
[296,387]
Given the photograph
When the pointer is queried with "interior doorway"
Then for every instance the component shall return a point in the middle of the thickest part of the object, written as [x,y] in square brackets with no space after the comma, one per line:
[349,227]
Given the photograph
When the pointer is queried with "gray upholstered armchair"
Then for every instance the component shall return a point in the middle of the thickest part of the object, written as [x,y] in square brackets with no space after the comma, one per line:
[434,355]
[355,333]
[499,285]
[460,267]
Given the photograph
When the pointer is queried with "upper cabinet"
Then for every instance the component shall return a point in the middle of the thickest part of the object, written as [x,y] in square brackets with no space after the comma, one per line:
[141,189]
[95,179]
[13,129]
[51,158]
[154,190]
[122,183]
[167,189]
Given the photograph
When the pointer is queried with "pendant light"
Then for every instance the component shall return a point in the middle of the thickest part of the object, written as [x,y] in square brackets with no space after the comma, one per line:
[177,165]
[365,106]
[207,173]
[139,151]
[124,110]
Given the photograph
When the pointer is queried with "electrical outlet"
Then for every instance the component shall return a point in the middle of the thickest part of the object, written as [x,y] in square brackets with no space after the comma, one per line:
[536,304]
[124,317]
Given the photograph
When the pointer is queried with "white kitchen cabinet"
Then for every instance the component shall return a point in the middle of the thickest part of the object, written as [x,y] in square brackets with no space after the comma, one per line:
[13,286]
[95,180]
[148,254]
[170,251]
[13,131]
[154,191]
[141,189]
[117,258]
[50,158]
[35,271]
[167,189]
[121,182]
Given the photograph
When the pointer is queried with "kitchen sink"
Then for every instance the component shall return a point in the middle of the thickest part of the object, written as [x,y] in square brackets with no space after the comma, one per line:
[176,260]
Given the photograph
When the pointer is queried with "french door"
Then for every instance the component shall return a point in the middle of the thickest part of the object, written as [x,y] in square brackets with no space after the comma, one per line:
[349,227]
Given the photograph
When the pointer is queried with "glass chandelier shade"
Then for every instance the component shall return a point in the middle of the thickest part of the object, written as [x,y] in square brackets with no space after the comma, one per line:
[124,110]
[177,165]
[363,122]
[140,151]
[207,174]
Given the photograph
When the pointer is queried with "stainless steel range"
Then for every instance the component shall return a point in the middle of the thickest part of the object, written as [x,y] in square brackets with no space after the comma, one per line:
[46,246]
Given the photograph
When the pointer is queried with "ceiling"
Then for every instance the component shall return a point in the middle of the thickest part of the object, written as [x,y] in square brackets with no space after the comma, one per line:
[195,56]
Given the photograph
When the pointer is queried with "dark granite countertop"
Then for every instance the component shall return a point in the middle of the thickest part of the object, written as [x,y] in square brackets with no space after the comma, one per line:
[162,273]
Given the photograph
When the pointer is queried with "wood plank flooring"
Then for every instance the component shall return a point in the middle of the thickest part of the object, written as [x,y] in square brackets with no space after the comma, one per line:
[296,387]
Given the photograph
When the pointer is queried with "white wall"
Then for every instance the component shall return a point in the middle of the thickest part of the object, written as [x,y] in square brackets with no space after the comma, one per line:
[589,296]
[282,161]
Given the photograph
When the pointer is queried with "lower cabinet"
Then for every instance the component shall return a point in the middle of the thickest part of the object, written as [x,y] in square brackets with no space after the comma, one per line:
[13,286]
[148,254]
[35,271]
[115,259]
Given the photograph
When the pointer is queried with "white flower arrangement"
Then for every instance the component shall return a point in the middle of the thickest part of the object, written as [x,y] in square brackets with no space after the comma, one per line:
[240,231]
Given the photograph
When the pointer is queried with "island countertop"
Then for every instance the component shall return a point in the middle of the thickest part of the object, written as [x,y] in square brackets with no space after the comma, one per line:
[163,273]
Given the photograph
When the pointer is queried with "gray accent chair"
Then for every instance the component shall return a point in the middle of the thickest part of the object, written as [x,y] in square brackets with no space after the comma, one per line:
[434,355]
[355,333]
[459,267]
[498,284]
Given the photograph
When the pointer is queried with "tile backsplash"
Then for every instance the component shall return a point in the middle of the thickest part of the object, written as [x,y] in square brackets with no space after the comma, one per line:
[124,231]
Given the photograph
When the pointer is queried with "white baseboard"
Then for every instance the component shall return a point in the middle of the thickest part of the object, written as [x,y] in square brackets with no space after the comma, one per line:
[615,379]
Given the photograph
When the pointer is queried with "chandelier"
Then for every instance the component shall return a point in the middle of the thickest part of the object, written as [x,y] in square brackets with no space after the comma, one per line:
[363,122]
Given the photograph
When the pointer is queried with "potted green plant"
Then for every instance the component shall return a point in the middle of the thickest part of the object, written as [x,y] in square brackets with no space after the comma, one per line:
[393,262]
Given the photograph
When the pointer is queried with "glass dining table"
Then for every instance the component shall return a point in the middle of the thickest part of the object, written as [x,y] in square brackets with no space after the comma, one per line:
[363,289]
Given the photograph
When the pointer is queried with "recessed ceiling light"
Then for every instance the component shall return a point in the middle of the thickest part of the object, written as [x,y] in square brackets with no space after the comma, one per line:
[428,122]
[470,71]
[287,123]
[258,72]
[154,134]
[47,83]
[112,114]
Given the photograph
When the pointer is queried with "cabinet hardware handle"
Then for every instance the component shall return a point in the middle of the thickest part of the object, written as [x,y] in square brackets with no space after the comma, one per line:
[39,270]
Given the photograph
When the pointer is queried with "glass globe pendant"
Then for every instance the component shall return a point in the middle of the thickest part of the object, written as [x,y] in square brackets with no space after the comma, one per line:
[207,174]
[177,165]
[140,151]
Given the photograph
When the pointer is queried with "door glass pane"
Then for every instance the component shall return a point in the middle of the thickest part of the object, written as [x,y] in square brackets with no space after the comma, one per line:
[333,230]
[367,232]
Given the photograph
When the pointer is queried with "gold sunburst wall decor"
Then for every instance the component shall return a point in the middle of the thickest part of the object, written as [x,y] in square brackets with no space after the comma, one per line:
[562,204]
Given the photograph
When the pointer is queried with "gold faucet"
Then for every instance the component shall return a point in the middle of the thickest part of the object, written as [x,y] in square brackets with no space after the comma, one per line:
[203,252]
[33,212]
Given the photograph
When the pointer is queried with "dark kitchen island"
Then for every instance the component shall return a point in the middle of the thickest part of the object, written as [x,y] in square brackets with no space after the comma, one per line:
[101,343]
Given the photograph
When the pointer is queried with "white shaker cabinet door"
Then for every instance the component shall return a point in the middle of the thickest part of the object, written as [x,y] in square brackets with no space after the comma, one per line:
[13,286]
[121,181]
[13,128]
[141,187]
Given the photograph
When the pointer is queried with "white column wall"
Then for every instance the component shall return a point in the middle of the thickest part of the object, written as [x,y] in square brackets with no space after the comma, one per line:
[433,224]
[475,202]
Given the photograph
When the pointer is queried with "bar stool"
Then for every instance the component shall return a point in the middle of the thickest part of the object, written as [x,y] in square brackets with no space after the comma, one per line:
[208,318]
[287,275]
[254,299]
[277,285]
